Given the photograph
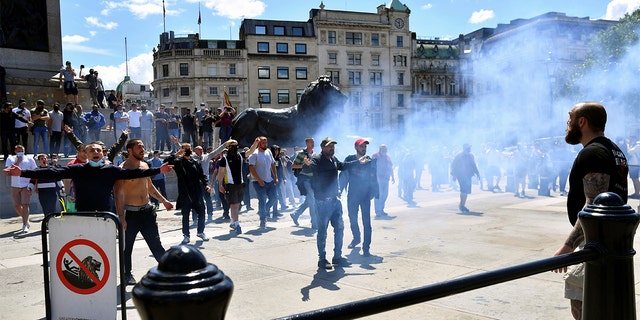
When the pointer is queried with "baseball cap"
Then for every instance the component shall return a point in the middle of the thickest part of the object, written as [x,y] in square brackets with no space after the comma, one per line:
[22,100]
[361,141]
[327,141]
[40,102]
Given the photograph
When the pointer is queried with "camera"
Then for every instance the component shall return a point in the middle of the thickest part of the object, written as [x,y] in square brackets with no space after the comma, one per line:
[82,66]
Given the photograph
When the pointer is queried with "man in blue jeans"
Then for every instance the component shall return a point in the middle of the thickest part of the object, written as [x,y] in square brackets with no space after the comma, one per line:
[304,184]
[325,168]
[262,166]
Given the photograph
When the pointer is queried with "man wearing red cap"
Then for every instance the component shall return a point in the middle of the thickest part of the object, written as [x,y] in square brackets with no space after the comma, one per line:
[362,183]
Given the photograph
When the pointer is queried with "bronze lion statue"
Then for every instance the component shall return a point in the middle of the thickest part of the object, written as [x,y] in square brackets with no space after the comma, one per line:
[289,126]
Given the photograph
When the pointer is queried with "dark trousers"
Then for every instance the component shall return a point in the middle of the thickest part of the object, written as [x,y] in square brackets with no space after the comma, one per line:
[22,134]
[186,204]
[54,142]
[143,221]
[357,200]
[48,198]
[8,140]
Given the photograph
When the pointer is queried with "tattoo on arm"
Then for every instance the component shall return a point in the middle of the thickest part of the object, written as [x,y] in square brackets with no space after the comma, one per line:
[595,184]
[576,237]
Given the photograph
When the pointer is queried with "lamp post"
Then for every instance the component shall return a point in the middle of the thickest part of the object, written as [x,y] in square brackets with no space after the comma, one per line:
[551,74]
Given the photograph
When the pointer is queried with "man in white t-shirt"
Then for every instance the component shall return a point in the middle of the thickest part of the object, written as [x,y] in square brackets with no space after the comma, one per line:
[262,166]
[21,188]
[134,122]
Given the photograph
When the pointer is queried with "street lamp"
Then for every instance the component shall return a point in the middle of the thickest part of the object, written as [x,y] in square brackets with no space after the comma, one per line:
[551,73]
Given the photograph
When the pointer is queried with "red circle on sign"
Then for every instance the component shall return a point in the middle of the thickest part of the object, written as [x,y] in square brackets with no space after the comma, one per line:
[66,249]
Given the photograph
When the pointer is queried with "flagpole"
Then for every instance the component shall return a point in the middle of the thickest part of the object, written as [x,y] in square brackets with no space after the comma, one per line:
[199,21]
[164,20]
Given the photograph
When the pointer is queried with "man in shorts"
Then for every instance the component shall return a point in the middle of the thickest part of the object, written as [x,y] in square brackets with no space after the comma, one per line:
[231,181]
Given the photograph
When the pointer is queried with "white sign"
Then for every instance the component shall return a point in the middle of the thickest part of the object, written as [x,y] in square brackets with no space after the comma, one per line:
[82,267]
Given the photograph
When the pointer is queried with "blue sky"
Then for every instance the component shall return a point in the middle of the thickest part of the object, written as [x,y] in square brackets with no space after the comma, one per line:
[94,32]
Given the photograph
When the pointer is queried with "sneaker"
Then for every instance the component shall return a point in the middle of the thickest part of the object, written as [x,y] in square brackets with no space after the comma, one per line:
[232,226]
[294,218]
[238,229]
[129,280]
[203,236]
[324,263]
[353,244]
[25,228]
[340,262]
[226,217]
[186,240]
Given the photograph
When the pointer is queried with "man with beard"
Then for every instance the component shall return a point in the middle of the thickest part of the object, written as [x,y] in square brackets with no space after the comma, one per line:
[262,166]
[599,167]
[231,181]
[362,183]
[133,207]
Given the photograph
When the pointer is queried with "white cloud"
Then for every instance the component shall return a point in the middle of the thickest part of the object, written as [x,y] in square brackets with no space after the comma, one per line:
[236,9]
[93,21]
[140,71]
[427,6]
[617,8]
[74,39]
[141,8]
[481,16]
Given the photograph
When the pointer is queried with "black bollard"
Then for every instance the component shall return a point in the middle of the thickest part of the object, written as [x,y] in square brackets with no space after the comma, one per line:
[183,286]
[609,226]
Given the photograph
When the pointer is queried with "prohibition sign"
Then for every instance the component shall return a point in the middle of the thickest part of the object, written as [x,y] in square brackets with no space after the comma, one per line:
[67,250]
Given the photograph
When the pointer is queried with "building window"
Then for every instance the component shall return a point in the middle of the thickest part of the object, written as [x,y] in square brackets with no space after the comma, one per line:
[213,91]
[233,91]
[354,59]
[301,73]
[301,48]
[376,100]
[355,78]
[184,69]
[278,31]
[452,88]
[184,91]
[231,44]
[399,41]
[232,68]
[400,78]
[375,39]
[282,47]
[297,31]
[265,94]
[375,78]
[212,69]
[354,38]
[263,47]
[438,87]
[399,61]
[400,100]
[261,29]
[299,93]
[355,99]
[333,58]
[283,96]
[335,76]
[264,73]
[332,37]
[283,73]
[165,92]
[165,70]
[375,59]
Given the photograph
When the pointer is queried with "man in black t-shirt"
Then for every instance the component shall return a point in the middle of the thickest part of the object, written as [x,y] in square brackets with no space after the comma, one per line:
[599,167]
[231,181]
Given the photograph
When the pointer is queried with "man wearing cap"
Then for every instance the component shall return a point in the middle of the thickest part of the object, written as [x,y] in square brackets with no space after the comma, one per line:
[68,75]
[93,85]
[22,123]
[325,168]
[361,180]
[463,168]
[40,117]
[7,134]
[231,181]
[95,121]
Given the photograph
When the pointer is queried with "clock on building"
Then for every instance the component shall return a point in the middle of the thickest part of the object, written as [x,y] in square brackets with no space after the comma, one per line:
[399,23]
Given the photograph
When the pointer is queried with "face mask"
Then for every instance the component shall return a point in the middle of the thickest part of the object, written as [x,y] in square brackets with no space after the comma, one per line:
[20,154]
[187,152]
[233,149]
[96,163]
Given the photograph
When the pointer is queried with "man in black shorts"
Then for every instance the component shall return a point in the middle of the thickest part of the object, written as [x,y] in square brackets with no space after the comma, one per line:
[232,183]
[463,168]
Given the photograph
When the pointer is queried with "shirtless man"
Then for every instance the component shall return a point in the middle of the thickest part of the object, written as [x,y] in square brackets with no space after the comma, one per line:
[133,207]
